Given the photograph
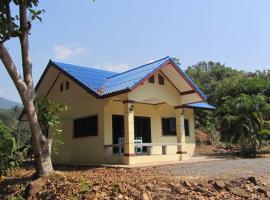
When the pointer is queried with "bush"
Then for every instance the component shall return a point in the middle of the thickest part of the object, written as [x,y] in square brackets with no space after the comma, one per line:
[244,120]
[10,154]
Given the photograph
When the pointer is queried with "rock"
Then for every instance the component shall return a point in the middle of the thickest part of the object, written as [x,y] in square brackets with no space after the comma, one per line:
[34,187]
[96,188]
[239,192]
[187,184]
[164,189]
[248,188]
[199,189]
[146,196]
[210,181]
[165,197]
[219,184]
[149,187]
[253,180]
[202,190]
[87,195]
[121,188]
[264,191]
[200,185]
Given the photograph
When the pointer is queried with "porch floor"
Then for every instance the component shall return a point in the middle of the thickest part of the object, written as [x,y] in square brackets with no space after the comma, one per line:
[153,164]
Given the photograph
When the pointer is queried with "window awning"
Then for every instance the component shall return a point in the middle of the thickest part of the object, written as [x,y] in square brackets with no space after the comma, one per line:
[199,105]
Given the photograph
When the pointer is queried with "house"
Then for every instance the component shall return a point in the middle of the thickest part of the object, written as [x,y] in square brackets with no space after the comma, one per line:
[142,115]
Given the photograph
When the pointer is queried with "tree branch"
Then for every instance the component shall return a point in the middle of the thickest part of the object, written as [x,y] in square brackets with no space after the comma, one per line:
[8,14]
[12,70]
[26,61]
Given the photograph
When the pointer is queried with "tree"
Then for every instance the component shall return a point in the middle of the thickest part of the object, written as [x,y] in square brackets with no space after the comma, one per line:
[13,25]
[209,76]
[245,120]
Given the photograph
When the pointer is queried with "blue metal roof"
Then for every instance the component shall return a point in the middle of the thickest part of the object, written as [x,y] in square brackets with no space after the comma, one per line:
[92,78]
[129,79]
[103,82]
[200,105]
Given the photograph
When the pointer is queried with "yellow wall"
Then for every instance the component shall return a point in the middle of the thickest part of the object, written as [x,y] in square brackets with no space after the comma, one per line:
[80,104]
[155,93]
[91,149]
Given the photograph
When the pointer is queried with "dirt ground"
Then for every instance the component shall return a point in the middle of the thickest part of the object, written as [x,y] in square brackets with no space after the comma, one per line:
[164,182]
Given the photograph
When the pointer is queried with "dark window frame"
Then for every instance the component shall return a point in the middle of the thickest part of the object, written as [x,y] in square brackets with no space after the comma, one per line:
[187,127]
[151,79]
[166,123]
[161,80]
[83,124]
[61,88]
[67,85]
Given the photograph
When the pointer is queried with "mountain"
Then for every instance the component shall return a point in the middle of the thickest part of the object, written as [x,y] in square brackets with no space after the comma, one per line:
[6,104]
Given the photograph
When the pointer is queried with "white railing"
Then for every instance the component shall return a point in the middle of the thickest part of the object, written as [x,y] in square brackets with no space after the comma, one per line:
[140,146]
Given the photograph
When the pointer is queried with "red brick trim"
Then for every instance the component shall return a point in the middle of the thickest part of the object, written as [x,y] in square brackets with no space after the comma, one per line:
[129,154]
[128,101]
[181,152]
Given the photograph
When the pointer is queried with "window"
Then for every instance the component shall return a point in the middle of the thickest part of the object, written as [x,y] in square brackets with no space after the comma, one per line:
[61,87]
[160,80]
[152,79]
[186,122]
[169,126]
[67,85]
[87,126]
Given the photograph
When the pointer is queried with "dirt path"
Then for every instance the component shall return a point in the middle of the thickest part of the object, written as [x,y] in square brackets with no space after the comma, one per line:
[259,167]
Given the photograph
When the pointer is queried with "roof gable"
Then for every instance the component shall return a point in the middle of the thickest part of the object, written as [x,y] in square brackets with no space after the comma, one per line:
[103,83]
[129,79]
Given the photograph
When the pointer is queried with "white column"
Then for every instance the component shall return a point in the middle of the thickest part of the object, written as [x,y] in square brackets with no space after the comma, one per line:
[129,129]
[180,133]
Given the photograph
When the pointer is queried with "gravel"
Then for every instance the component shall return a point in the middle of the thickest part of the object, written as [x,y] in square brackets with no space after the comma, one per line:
[259,167]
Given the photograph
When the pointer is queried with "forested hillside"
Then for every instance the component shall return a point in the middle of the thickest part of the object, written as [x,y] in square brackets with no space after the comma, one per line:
[20,130]
[242,100]
[6,104]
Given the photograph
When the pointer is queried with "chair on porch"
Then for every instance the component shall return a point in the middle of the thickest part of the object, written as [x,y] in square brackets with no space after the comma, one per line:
[138,147]
[137,141]
[121,142]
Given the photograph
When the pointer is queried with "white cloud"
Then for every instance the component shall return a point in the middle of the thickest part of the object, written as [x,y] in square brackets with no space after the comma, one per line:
[152,60]
[115,67]
[66,51]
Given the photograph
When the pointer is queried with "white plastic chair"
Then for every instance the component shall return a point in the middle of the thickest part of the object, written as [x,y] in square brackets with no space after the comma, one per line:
[121,142]
[138,147]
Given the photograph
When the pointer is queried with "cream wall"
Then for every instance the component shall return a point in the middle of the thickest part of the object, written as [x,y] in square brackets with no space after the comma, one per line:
[80,104]
[155,93]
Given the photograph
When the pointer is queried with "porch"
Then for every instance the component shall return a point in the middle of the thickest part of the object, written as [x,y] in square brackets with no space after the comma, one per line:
[137,135]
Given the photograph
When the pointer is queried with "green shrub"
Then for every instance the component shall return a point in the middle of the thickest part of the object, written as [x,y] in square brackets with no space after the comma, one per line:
[10,154]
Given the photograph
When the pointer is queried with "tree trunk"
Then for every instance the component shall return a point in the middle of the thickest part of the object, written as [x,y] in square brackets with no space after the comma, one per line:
[43,162]
[40,144]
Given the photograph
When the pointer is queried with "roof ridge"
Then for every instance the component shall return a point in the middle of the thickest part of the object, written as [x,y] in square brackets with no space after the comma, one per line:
[139,67]
[83,66]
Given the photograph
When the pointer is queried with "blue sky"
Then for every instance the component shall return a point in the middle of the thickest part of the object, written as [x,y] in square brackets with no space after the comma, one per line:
[119,34]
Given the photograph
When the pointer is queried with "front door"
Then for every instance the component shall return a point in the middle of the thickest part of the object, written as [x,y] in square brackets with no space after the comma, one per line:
[142,126]
[117,130]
